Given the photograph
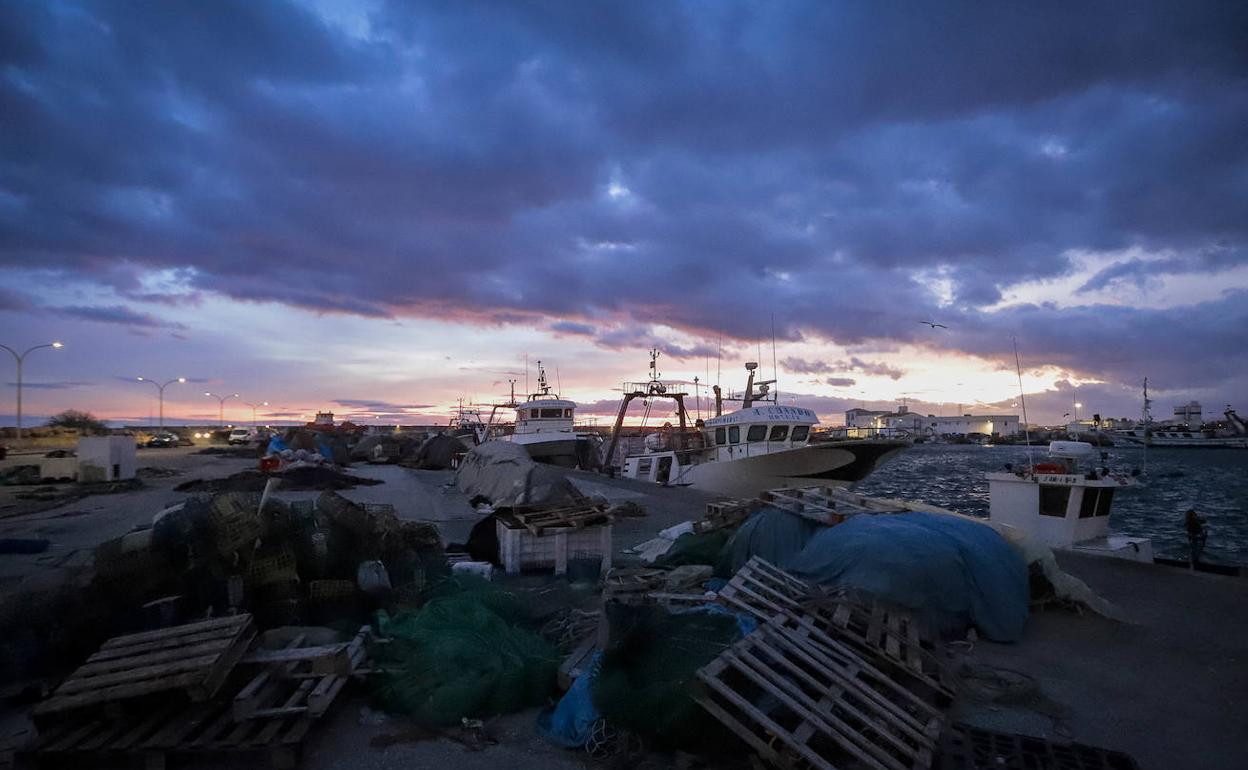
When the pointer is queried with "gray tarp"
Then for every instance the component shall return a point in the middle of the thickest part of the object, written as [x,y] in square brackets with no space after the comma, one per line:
[504,474]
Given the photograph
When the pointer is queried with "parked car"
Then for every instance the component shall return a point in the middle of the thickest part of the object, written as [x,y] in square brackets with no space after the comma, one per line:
[161,440]
[241,436]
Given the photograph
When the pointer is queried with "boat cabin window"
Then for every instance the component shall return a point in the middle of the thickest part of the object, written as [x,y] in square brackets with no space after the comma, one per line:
[778,433]
[756,433]
[552,413]
[567,412]
[800,432]
[721,436]
[522,414]
[734,434]
[1053,500]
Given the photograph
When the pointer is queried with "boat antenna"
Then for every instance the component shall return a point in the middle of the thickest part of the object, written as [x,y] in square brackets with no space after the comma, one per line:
[526,373]
[697,396]
[775,378]
[1022,398]
[719,360]
[1146,417]
[558,381]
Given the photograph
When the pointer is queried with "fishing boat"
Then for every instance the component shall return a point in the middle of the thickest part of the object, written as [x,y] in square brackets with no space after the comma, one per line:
[1065,502]
[546,427]
[763,445]
[1181,434]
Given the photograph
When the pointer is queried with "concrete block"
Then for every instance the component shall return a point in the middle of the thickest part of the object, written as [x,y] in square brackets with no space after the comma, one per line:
[115,455]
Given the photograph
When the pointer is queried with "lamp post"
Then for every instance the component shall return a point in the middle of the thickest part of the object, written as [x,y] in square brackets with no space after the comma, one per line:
[161,388]
[20,358]
[221,405]
[253,410]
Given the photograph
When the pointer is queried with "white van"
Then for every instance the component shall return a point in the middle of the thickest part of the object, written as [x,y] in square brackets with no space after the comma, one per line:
[241,436]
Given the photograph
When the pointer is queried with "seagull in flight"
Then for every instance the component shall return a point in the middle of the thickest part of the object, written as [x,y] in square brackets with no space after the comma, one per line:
[934,325]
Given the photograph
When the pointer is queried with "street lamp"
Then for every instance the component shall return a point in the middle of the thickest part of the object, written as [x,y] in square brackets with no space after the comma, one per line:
[21,358]
[221,405]
[161,388]
[253,410]
[1078,406]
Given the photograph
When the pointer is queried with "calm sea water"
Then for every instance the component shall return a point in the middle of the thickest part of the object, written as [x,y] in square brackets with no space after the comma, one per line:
[1213,481]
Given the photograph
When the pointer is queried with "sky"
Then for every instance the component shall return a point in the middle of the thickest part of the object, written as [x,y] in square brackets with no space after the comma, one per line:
[380,208]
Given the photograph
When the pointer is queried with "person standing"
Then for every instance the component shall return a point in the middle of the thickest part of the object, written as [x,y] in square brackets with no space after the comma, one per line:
[1196,534]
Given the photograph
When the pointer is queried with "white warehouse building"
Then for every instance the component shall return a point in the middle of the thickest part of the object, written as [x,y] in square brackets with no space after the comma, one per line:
[933,425]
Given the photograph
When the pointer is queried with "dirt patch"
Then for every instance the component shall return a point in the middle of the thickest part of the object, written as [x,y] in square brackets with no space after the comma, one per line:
[317,479]
[150,472]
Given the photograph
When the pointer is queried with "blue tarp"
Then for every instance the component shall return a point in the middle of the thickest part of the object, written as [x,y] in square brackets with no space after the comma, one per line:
[569,722]
[950,571]
[277,445]
[775,535]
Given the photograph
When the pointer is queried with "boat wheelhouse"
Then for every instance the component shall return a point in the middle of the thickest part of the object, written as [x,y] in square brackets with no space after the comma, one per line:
[546,427]
[1065,503]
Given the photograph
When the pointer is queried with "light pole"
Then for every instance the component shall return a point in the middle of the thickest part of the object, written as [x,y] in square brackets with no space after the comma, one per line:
[1078,406]
[161,388]
[20,358]
[253,410]
[221,405]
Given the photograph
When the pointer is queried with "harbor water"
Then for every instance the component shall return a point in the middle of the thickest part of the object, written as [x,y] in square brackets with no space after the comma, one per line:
[1213,481]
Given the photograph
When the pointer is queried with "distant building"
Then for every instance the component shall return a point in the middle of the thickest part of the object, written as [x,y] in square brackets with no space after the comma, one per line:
[863,418]
[1189,414]
[324,418]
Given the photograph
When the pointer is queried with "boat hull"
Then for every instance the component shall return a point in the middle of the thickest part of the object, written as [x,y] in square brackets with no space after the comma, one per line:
[838,463]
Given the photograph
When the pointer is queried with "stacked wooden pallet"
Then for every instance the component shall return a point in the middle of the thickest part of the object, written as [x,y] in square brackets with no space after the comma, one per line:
[630,585]
[890,638]
[827,505]
[801,700]
[268,710]
[577,515]
[193,658]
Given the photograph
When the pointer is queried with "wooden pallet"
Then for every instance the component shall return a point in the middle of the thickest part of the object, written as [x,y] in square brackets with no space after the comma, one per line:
[194,658]
[300,680]
[826,505]
[802,703]
[577,515]
[198,728]
[964,747]
[892,638]
[764,590]
[724,514]
[898,642]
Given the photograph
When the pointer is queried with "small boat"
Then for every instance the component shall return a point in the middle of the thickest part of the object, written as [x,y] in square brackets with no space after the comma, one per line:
[763,445]
[1065,502]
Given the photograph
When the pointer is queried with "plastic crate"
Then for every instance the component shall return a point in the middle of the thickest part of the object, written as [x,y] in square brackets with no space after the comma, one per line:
[521,550]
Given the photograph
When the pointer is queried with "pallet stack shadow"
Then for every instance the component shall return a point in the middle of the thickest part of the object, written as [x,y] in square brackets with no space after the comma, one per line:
[199,688]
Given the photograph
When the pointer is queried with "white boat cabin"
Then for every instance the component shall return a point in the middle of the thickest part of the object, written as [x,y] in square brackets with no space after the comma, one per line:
[1065,502]
[545,415]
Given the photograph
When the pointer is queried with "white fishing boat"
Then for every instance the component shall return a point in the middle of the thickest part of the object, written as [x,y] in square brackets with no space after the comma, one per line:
[1066,502]
[546,427]
[763,445]
[1179,433]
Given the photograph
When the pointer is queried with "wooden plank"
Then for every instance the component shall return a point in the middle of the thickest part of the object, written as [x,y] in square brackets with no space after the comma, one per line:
[295,654]
[231,621]
[132,690]
[322,696]
[162,644]
[139,674]
[71,738]
[179,727]
[95,668]
[140,731]
[216,677]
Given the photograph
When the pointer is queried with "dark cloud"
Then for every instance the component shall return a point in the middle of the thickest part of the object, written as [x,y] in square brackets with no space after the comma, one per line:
[874,368]
[841,382]
[602,170]
[802,366]
[368,405]
[115,314]
[12,300]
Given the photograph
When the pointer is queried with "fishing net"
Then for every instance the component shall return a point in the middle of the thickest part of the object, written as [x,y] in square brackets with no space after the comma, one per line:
[647,680]
[465,654]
